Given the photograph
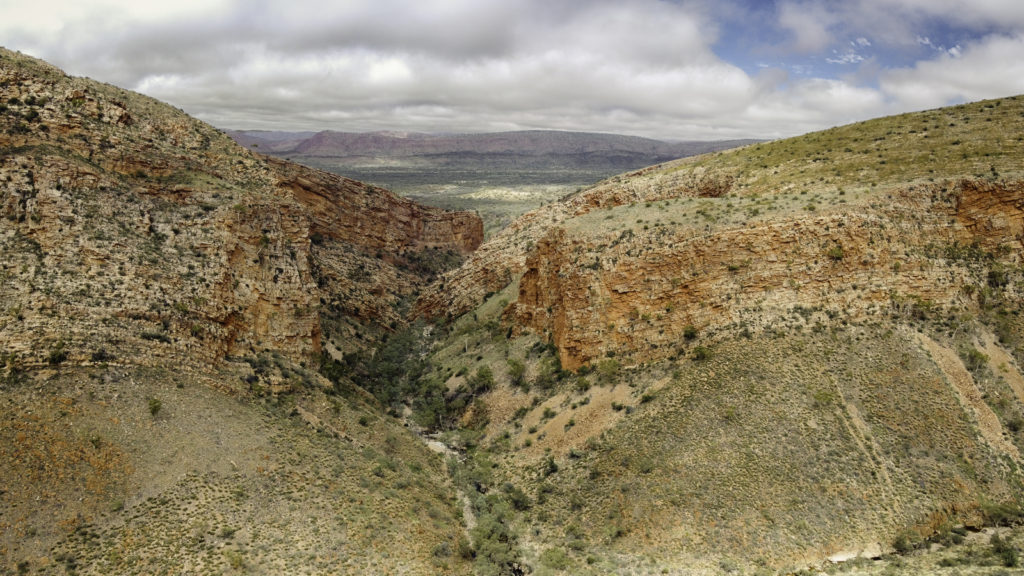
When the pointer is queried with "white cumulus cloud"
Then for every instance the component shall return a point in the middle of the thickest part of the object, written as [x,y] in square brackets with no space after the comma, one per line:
[663,68]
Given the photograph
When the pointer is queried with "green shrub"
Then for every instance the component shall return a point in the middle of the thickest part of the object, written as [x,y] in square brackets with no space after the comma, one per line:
[555,558]
[835,253]
[608,370]
[235,559]
[550,466]
[997,278]
[57,355]
[1004,550]
[645,466]
[548,375]
[974,359]
[158,336]
[906,541]
[482,381]
[1009,557]
[1001,513]
[519,500]
[464,549]
[516,372]
[154,406]
[495,544]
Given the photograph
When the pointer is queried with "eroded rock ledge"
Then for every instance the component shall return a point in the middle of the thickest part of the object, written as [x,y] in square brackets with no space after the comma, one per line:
[600,294]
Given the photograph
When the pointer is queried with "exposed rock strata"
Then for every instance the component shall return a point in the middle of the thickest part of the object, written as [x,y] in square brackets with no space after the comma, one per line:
[356,213]
[128,225]
[498,261]
[637,293]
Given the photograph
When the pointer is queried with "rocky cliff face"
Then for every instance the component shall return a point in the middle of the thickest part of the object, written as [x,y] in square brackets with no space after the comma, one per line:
[638,291]
[503,258]
[126,225]
[355,213]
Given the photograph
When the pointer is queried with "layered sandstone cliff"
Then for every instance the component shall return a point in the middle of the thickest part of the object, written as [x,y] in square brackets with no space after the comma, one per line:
[126,225]
[353,212]
[640,292]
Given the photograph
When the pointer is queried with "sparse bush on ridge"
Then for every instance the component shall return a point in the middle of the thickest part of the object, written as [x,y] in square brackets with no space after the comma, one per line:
[1002,514]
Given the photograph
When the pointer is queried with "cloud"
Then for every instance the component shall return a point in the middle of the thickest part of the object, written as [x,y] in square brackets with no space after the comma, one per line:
[991,67]
[978,15]
[372,64]
[849,57]
[662,68]
[955,51]
[815,26]
[809,25]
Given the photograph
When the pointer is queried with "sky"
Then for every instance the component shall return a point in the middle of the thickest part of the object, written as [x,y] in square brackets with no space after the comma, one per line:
[667,69]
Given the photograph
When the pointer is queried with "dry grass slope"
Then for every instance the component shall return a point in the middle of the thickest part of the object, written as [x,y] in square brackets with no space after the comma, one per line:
[105,481]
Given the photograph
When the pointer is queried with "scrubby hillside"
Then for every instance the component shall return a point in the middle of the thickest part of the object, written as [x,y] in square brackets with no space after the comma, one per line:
[756,359]
[168,299]
[750,361]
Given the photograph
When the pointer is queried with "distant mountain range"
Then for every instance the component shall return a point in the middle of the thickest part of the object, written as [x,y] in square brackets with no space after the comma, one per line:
[532,149]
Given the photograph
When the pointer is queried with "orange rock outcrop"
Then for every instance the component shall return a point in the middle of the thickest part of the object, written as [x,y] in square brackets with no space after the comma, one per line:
[637,295]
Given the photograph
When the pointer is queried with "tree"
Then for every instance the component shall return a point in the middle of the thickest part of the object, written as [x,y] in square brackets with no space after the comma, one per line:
[516,372]
[482,381]
[497,548]
[608,370]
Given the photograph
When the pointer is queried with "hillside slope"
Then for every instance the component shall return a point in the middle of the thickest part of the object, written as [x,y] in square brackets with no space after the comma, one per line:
[758,358]
[167,299]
